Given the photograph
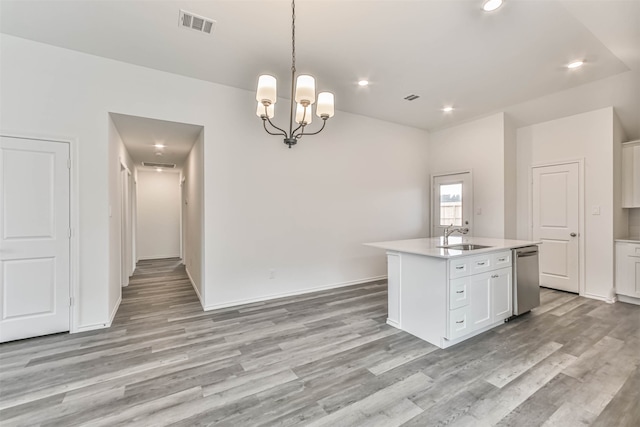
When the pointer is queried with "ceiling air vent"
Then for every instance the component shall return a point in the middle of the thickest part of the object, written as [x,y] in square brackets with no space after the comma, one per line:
[195,22]
[411,97]
[159,165]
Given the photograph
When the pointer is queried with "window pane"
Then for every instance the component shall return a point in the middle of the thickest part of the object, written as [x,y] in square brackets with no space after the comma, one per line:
[451,204]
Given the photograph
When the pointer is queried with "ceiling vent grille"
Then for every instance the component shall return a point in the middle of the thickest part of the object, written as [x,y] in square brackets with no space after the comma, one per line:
[411,97]
[195,22]
[159,165]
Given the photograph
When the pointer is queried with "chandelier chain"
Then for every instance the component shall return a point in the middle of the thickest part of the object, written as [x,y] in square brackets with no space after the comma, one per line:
[293,36]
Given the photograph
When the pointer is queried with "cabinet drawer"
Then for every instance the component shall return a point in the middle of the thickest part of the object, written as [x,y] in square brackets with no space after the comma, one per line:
[458,293]
[459,268]
[458,323]
[501,259]
[481,263]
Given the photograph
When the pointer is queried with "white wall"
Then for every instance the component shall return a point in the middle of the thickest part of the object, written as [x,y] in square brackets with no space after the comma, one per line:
[587,136]
[620,215]
[480,146]
[193,215]
[118,155]
[158,215]
[304,211]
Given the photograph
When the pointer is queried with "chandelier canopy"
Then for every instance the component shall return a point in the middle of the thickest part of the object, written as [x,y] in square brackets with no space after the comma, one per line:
[303,92]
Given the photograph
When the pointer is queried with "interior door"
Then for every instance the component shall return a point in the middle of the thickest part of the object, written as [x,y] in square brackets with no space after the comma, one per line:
[452,202]
[34,237]
[555,222]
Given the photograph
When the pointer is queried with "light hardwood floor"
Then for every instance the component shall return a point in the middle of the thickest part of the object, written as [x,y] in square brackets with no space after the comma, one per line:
[326,358]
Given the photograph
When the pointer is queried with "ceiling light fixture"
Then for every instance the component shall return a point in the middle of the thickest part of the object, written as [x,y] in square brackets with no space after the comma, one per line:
[158,170]
[303,91]
[363,83]
[447,109]
[491,5]
[159,145]
[575,64]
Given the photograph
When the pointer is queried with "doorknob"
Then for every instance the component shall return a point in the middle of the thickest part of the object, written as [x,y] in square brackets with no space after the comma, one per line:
[573,234]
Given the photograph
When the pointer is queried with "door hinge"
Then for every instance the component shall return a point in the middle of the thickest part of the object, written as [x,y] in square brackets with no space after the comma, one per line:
[69,163]
[70,301]
[69,233]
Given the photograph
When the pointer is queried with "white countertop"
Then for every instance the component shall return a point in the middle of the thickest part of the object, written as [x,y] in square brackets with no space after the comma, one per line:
[628,240]
[429,246]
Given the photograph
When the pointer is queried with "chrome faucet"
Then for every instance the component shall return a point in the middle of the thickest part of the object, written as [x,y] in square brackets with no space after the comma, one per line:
[448,231]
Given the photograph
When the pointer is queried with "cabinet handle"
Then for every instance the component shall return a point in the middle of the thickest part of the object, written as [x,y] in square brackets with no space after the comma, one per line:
[459,292]
[460,321]
[460,267]
[493,276]
[501,259]
[480,263]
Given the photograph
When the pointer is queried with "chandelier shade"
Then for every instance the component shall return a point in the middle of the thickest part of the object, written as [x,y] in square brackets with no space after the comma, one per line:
[324,107]
[303,94]
[267,89]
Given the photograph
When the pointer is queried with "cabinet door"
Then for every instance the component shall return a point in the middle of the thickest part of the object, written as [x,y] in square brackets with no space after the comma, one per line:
[631,175]
[628,269]
[633,275]
[479,290]
[501,288]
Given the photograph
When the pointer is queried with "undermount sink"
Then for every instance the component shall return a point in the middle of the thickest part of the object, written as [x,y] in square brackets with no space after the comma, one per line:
[465,247]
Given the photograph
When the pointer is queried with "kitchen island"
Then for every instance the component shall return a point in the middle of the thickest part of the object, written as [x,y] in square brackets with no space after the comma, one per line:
[445,293]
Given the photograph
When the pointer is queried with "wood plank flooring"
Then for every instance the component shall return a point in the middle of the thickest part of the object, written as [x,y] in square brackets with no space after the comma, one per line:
[322,359]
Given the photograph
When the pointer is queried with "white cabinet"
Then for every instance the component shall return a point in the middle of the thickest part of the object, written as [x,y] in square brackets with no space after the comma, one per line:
[631,174]
[393,281]
[628,269]
[479,299]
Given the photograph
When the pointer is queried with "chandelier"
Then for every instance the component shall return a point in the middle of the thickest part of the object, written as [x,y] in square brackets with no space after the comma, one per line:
[303,92]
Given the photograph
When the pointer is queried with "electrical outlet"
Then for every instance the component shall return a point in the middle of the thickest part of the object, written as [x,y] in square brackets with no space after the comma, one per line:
[272,273]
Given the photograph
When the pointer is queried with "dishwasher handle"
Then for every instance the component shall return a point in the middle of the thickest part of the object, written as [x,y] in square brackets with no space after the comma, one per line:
[526,254]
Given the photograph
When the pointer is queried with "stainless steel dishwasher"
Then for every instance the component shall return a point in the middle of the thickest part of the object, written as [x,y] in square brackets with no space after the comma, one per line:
[526,280]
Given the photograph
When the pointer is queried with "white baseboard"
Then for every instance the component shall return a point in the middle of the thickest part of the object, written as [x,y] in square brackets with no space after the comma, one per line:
[600,298]
[152,257]
[393,323]
[91,327]
[114,311]
[94,326]
[630,300]
[195,288]
[290,294]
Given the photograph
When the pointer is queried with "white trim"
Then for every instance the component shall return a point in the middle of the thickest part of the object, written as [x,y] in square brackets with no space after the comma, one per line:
[599,298]
[114,311]
[629,300]
[293,293]
[581,220]
[74,216]
[393,323]
[195,288]
[151,258]
[446,343]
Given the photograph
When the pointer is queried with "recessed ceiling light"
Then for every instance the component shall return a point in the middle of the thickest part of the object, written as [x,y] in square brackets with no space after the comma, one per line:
[158,169]
[575,64]
[363,83]
[447,109]
[491,5]
[159,145]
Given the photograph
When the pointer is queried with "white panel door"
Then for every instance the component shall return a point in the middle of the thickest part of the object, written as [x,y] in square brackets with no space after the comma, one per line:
[452,202]
[34,238]
[555,222]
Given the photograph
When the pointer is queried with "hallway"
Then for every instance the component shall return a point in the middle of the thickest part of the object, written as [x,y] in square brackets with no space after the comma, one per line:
[326,358]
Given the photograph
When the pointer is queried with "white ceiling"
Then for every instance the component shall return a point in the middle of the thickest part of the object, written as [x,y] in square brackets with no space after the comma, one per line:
[140,134]
[449,52]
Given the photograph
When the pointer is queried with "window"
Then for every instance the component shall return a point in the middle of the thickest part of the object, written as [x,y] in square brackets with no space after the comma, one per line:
[451,204]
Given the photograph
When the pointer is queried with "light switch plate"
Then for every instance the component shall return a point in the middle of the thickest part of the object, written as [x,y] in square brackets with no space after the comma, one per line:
[595,210]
